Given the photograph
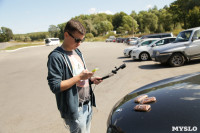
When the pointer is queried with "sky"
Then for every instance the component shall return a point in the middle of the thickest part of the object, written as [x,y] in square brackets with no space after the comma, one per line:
[26,16]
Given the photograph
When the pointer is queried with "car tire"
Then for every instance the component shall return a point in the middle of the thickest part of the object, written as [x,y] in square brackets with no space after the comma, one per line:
[144,56]
[176,60]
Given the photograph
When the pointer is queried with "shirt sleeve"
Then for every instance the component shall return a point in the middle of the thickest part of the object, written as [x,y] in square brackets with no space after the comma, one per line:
[55,73]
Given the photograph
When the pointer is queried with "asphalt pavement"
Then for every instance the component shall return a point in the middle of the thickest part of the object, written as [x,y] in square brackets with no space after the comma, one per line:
[28,105]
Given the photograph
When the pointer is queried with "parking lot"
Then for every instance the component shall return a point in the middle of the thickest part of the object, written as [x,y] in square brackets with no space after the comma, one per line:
[28,106]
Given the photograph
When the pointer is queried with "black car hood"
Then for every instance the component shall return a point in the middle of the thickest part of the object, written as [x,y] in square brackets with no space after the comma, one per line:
[178,104]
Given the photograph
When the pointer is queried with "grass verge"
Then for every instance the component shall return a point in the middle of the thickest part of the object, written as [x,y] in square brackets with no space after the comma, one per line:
[20,46]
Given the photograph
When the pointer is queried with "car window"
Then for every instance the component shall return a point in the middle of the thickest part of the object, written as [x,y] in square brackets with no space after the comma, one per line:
[147,42]
[157,36]
[183,36]
[161,42]
[197,34]
[167,35]
[166,41]
[172,39]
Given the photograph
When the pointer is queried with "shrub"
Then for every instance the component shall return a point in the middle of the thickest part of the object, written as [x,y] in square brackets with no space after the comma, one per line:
[89,35]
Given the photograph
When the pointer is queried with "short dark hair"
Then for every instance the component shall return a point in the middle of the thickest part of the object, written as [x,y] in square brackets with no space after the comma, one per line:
[74,25]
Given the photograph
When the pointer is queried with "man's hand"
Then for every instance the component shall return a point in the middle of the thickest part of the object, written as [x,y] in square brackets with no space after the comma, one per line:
[96,80]
[85,74]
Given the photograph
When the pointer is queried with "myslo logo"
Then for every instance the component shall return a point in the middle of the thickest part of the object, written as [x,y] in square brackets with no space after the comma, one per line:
[184,128]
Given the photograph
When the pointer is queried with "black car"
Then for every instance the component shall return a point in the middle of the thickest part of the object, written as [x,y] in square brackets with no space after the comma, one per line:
[120,40]
[176,110]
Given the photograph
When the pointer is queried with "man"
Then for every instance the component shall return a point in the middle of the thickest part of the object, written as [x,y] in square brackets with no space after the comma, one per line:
[70,80]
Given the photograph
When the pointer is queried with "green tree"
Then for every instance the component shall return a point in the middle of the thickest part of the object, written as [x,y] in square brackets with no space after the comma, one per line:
[127,23]
[27,39]
[165,22]
[5,34]
[90,28]
[53,31]
[133,14]
[180,9]
[117,20]
[104,26]
[61,30]
[147,21]
[160,28]
[37,35]
[89,35]
[194,17]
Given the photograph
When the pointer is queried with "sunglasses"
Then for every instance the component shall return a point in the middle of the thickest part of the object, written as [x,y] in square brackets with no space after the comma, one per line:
[77,40]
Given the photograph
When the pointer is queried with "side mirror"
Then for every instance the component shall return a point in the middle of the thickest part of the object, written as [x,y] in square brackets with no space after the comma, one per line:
[153,45]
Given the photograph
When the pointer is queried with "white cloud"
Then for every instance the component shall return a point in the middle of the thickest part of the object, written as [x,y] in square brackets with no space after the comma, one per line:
[149,6]
[107,12]
[94,11]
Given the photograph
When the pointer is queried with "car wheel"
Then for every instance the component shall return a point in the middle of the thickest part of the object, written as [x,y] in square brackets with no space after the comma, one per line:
[176,60]
[144,56]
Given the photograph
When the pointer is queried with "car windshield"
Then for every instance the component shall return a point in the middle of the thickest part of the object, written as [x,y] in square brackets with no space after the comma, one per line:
[183,36]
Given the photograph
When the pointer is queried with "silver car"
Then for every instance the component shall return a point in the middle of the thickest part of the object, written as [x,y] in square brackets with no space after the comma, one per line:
[185,48]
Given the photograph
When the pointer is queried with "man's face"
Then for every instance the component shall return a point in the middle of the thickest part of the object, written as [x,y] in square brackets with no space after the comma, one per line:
[72,38]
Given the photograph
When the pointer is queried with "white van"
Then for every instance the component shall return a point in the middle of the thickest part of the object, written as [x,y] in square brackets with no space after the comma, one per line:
[52,41]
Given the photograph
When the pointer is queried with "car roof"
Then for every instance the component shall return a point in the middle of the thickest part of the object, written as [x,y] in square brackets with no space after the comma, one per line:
[164,39]
[195,28]
[146,39]
[156,34]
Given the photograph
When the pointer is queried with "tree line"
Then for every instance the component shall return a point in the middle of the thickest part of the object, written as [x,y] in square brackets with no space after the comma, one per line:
[181,14]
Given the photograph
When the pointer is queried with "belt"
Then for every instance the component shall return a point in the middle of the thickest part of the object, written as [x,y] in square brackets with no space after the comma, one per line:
[84,103]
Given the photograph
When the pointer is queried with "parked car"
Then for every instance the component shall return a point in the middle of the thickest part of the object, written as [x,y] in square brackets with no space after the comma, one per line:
[159,35]
[111,39]
[131,39]
[126,40]
[120,40]
[145,52]
[127,51]
[176,108]
[185,48]
[51,41]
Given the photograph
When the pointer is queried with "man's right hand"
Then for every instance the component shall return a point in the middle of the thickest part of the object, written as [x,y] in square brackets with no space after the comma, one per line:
[85,74]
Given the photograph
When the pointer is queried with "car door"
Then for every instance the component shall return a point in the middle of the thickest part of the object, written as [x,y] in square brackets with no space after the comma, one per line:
[157,44]
[193,49]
